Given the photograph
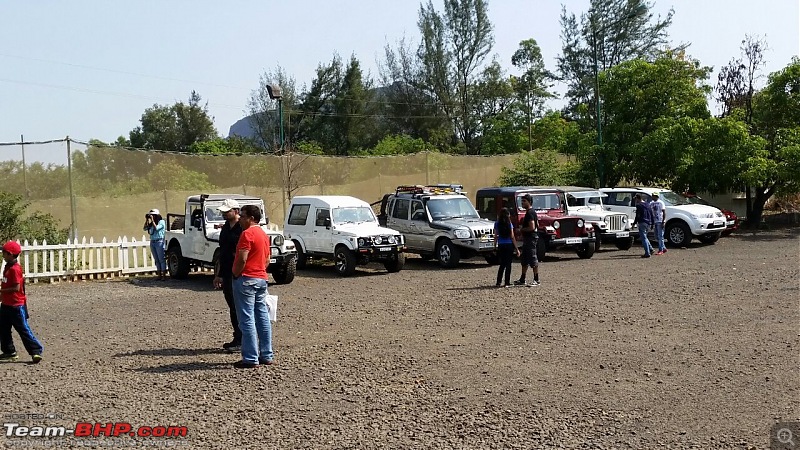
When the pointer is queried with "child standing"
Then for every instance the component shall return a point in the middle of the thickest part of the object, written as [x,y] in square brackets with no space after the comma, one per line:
[13,309]
[506,246]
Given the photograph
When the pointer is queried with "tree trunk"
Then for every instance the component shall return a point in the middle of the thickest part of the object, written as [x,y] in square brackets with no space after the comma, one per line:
[763,193]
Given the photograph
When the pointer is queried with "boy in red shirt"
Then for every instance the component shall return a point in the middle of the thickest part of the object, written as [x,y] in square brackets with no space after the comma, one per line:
[13,309]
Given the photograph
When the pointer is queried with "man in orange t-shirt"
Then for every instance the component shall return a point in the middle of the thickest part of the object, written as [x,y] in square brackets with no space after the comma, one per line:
[13,308]
[250,290]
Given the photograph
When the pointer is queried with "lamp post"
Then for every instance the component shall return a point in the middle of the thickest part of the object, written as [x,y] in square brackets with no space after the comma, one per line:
[274,92]
[639,10]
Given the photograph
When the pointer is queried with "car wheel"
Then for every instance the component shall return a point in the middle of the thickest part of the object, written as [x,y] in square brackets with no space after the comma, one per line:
[678,234]
[709,238]
[177,265]
[492,259]
[395,264]
[345,261]
[286,273]
[624,244]
[586,251]
[302,260]
[447,253]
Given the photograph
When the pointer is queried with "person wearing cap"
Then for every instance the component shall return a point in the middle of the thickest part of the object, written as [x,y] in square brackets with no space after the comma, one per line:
[530,241]
[643,219]
[14,309]
[223,278]
[155,226]
[659,220]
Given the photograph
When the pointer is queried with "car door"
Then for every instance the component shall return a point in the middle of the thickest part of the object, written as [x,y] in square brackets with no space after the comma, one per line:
[397,219]
[321,233]
[194,231]
[419,228]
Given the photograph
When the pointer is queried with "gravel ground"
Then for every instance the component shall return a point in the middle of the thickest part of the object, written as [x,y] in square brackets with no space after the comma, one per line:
[694,349]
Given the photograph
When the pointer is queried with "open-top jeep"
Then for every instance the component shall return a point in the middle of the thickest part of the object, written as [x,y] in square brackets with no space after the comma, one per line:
[438,221]
[557,229]
[610,227]
[193,238]
[343,229]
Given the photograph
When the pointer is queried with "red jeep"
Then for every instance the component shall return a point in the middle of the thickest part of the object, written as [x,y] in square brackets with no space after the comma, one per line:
[556,228]
[731,219]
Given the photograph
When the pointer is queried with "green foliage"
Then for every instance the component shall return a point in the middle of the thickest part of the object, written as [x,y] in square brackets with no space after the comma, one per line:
[398,145]
[218,146]
[264,111]
[168,175]
[538,168]
[174,128]
[15,225]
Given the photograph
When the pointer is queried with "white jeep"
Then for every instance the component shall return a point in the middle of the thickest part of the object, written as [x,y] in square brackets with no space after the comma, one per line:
[343,229]
[192,238]
[610,227]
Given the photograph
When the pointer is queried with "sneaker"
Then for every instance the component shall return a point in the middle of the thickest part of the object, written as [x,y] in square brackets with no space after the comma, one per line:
[231,344]
[498,285]
[8,357]
[244,365]
[659,253]
[532,284]
[535,283]
[519,283]
[663,251]
[36,359]
[509,285]
[267,362]
[233,349]
[645,256]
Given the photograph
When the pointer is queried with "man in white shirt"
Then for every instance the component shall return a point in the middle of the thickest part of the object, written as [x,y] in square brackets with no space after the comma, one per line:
[659,219]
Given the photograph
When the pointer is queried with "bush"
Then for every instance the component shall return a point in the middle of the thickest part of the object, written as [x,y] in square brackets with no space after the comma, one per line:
[15,225]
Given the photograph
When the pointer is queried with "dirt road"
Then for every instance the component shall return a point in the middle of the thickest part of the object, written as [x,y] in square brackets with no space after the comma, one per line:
[694,349]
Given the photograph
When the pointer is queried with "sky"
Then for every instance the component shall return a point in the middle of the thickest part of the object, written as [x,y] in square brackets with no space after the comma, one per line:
[89,69]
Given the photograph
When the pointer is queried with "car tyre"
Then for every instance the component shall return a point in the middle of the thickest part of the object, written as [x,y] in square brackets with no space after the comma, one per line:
[345,261]
[448,254]
[624,244]
[709,238]
[395,264]
[177,265]
[586,251]
[678,234]
[285,274]
[302,259]
[492,259]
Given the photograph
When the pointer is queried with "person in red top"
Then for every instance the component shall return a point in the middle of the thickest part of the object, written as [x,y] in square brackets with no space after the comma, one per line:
[250,290]
[14,310]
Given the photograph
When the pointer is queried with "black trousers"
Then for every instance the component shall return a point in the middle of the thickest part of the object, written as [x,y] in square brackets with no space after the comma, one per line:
[227,291]
[16,317]
[505,253]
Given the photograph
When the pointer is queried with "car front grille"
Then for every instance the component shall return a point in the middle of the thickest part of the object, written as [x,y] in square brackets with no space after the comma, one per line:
[616,222]
[484,232]
[568,228]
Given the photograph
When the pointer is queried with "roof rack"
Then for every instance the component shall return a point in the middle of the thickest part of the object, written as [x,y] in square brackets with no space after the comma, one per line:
[431,189]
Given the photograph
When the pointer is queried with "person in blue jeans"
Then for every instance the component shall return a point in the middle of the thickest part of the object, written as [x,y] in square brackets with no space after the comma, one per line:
[250,290]
[644,220]
[506,246]
[155,226]
[659,219]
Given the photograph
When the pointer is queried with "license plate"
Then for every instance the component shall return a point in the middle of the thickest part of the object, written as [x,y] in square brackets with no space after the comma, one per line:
[386,249]
[718,223]
[730,222]
[574,240]
[622,234]
[273,260]
[487,245]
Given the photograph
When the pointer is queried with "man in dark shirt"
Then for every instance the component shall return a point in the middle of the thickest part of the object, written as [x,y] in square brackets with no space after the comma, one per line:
[530,240]
[644,219]
[228,239]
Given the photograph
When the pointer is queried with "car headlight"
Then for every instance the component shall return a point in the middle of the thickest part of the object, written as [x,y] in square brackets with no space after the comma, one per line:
[392,240]
[462,233]
[703,216]
[377,240]
[556,224]
[719,214]
[580,223]
[278,240]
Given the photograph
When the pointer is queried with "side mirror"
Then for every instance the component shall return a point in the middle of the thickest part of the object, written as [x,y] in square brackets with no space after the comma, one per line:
[328,223]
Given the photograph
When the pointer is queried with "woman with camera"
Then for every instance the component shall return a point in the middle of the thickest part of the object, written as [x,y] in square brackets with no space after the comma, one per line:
[155,226]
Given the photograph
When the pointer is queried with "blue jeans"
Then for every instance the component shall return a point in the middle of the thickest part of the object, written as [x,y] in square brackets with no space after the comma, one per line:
[660,236]
[16,317]
[643,236]
[157,249]
[250,297]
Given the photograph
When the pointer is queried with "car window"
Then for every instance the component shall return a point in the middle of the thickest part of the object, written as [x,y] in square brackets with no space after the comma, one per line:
[672,199]
[400,209]
[620,199]
[418,211]
[298,215]
[196,216]
[353,214]
[322,214]
[487,207]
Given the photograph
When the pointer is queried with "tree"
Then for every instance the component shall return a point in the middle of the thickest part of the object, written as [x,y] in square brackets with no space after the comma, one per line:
[614,31]
[15,225]
[453,47]
[776,118]
[174,128]
[353,124]
[317,106]
[496,114]
[263,110]
[538,168]
[736,81]
[532,86]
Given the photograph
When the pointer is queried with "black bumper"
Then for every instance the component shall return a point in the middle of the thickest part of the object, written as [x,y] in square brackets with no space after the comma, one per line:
[612,237]
[381,253]
[561,242]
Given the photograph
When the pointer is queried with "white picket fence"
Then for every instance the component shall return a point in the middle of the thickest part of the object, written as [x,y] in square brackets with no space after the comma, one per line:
[81,260]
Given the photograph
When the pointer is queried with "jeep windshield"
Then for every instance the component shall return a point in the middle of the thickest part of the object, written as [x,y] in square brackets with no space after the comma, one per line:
[354,214]
[543,202]
[451,208]
[672,199]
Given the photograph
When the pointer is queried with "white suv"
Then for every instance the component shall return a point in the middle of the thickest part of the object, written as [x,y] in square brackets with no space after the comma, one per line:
[343,229]
[684,220]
